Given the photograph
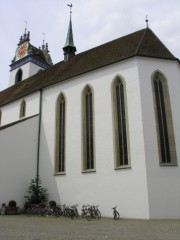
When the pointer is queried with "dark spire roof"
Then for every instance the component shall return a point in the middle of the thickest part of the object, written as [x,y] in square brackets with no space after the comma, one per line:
[143,43]
[69,48]
[45,51]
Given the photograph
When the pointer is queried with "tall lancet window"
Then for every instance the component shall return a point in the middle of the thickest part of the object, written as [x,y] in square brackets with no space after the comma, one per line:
[122,149]
[0,117]
[88,130]
[22,109]
[164,123]
[60,135]
[18,77]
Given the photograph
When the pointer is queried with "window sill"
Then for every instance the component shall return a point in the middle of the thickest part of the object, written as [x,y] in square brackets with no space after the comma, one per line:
[168,164]
[60,174]
[89,171]
[122,167]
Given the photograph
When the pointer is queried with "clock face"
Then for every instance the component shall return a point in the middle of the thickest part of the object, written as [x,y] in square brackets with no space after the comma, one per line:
[22,49]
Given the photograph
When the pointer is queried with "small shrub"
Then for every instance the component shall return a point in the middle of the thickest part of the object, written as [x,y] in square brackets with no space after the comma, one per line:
[12,203]
[52,204]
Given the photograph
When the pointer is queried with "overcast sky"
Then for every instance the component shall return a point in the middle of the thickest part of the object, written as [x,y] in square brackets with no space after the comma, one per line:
[94,23]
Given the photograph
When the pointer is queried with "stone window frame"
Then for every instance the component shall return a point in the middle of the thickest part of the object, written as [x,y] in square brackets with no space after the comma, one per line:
[117,161]
[160,77]
[92,167]
[60,163]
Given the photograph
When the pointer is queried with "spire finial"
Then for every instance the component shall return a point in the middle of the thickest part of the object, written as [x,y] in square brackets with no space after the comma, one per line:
[25,25]
[147,25]
[43,38]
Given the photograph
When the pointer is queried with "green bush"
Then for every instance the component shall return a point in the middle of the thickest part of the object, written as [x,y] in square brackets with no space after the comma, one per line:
[12,203]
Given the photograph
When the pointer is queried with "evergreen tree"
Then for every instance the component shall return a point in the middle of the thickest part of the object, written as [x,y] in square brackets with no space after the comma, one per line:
[36,193]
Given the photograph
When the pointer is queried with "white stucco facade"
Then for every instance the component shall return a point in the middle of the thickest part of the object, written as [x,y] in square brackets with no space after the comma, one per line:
[18,149]
[163,181]
[11,112]
[143,190]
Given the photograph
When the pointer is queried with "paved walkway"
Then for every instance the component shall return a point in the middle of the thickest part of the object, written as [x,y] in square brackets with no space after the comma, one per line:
[23,227]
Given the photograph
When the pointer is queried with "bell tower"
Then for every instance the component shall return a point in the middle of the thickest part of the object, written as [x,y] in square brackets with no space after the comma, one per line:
[28,60]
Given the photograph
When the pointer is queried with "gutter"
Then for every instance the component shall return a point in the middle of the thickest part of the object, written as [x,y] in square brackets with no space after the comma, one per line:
[39,134]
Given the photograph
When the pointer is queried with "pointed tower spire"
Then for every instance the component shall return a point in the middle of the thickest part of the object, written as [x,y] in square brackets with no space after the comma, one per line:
[69,48]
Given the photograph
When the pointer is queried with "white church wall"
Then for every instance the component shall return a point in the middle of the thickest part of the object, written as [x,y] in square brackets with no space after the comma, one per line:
[163,181]
[18,155]
[106,187]
[11,111]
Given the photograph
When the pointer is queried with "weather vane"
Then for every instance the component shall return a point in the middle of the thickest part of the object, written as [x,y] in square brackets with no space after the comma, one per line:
[147,21]
[70,6]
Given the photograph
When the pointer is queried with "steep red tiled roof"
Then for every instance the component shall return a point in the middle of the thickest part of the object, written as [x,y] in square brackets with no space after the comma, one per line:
[141,43]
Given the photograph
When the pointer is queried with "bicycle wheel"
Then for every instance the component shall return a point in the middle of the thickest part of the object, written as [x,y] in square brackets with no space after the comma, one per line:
[99,214]
[116,215]
[88,216]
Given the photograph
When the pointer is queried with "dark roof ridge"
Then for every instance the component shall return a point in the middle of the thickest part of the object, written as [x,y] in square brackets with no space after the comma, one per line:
[140,41]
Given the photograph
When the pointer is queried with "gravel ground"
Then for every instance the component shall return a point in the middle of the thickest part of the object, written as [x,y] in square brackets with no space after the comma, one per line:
[22,227]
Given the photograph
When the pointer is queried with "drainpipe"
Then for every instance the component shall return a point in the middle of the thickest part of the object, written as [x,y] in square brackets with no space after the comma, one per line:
[39,133]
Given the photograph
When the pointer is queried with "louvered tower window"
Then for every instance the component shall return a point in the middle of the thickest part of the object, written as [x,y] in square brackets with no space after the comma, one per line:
[18,77]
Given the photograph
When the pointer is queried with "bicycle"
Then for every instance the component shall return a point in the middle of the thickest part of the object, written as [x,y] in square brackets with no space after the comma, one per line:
[84,210]
[93,212]
[116,214]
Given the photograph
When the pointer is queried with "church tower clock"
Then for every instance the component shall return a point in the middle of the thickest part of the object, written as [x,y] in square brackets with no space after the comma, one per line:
[28,60]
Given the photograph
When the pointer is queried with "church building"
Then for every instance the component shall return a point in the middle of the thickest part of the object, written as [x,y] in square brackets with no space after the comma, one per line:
[100,127]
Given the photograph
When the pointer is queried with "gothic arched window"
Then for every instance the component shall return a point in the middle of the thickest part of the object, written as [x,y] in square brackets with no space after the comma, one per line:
[60,134]
[122,158]
[0,117]
[164,123]
[88,129]
[18,77]
[22,109]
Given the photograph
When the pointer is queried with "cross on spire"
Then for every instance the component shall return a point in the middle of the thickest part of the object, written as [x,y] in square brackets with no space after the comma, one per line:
[70,6]
[147,25]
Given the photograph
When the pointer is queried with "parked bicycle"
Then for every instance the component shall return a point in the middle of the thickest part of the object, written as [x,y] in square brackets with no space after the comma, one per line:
[84,210]
[70,211]
[35,209]
[116,214]
[90,212]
